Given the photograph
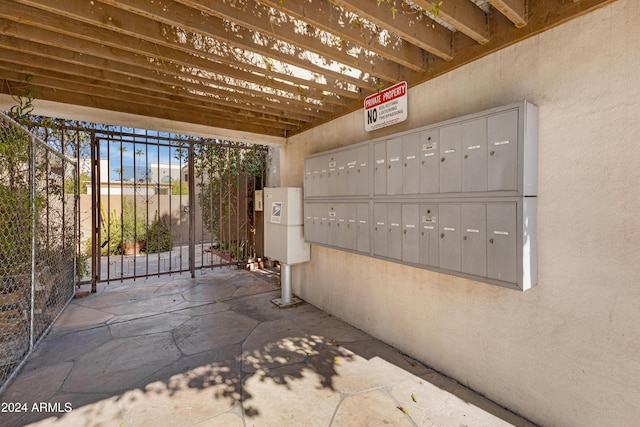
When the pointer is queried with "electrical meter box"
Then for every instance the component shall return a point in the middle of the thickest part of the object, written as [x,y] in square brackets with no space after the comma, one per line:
[284,226]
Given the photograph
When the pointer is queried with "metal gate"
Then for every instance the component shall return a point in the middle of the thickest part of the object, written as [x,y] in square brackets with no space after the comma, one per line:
[38,240]
[164,203]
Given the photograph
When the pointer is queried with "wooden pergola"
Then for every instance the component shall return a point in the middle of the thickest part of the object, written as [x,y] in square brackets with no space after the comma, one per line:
[268,67]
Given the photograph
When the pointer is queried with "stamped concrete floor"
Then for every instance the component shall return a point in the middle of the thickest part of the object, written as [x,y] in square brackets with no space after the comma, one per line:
[214,351]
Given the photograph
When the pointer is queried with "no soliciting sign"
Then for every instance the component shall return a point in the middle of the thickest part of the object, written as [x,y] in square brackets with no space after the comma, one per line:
[386,108]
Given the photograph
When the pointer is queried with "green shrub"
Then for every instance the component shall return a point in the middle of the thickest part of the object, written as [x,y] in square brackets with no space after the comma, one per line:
[159,237]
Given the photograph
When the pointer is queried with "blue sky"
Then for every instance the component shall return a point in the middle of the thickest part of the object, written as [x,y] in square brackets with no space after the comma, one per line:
[136,152]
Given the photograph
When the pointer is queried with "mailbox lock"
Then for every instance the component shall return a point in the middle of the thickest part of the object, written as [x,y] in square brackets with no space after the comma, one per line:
[405,165]
[389,167]
[442,235]
[492,153]
[491,241]
[442,159]
[464,238]
[466,156]
[405,231]
[423,162]
[422,234]
[428,211]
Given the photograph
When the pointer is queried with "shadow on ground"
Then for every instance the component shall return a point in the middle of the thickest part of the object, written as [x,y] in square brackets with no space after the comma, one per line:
[214,351]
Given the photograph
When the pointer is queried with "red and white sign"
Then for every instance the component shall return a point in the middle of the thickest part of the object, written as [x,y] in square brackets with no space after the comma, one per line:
[386,108]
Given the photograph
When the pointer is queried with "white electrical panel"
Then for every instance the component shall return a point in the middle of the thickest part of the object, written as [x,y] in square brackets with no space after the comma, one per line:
[283,226]
[457,197]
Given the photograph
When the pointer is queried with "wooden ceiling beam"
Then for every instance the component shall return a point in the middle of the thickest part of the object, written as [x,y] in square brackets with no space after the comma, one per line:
[328,17]
[515,10]
[55,80]
[463,15]
[27,53]
[51,80]
[425,33]
[98,17]
[261,19]
[131,64]
[88,100]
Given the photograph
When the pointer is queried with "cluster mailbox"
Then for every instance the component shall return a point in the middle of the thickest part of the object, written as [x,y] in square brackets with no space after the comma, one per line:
[457,197]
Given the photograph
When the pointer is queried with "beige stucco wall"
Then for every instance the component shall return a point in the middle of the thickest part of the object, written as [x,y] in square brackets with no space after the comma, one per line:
[567,352]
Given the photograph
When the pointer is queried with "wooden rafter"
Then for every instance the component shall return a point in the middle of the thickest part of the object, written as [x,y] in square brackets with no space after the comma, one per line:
[332,19]
[268,67]
[28,53]
[119,28]
[103,57]
[462,15]
[264,21]
[411,25]
[515,10]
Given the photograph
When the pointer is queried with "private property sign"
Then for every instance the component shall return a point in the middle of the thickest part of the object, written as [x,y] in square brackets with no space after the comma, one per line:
[386,108]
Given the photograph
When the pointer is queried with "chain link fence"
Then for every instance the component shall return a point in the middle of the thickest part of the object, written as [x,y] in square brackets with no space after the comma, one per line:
[38,241]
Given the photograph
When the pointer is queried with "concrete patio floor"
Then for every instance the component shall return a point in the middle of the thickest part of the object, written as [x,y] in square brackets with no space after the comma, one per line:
[214,351]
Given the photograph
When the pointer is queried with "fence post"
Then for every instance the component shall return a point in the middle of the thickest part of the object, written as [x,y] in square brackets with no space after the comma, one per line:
[192,212]
[32,177]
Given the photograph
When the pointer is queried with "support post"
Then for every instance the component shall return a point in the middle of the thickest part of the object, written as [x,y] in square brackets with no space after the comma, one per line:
[287,299]
[192,211]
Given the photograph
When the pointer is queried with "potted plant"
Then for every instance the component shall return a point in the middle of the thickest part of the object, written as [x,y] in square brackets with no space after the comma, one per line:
[130,229]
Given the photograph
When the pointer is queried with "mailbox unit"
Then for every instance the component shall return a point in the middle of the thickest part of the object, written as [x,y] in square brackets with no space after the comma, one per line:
[457,197]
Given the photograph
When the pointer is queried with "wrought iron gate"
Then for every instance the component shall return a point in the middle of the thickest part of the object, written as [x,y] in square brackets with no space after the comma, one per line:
[164,203]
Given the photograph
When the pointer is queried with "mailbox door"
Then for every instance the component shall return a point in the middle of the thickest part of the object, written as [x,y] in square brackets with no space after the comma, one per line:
[474,155]
[450,159]
[429,235]
[380,168]
[449,246]
[380,230]
[394,166]
[394,218]
[411,162]
[503,151]
[361,175]
[363,228]
[501,248]
[351,167]
[411,233]
[429,162]
[473,224]
[321,218]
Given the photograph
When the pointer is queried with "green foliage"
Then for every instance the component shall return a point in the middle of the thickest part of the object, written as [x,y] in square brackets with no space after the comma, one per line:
[24,104]
[159,237]
[435,8]
[133,222]
[15,230]
[224,167]
[392,8]
[70,188]
[16,213]
[82,265]
[180,188]
[126,228]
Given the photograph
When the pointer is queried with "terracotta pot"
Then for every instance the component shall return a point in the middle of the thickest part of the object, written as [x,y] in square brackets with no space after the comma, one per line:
[132,248]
